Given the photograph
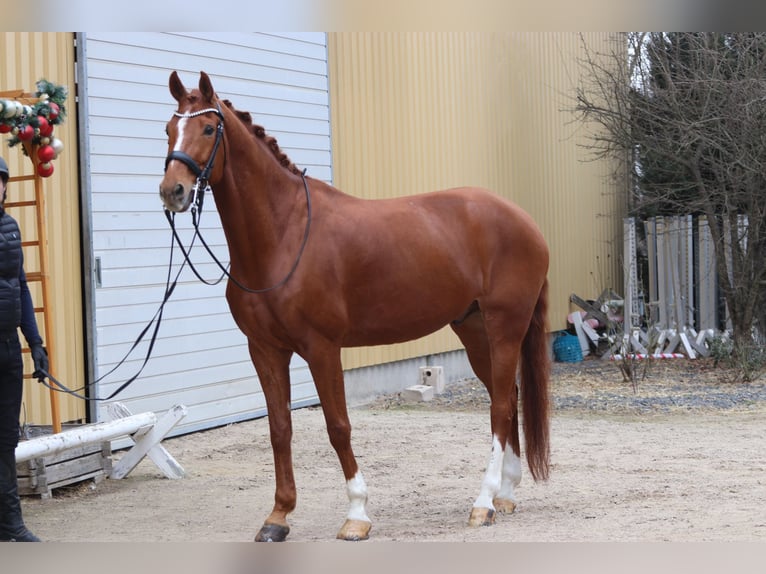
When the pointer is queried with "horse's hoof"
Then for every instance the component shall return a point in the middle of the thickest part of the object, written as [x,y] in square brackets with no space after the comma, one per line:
[272,533]
[355,530]
[504,505]
[481,517]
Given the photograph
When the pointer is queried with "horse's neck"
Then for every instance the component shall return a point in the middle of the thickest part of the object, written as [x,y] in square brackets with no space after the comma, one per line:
[258,212]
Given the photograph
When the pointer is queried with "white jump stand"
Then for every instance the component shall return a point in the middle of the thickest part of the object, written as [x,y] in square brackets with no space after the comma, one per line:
[145,430]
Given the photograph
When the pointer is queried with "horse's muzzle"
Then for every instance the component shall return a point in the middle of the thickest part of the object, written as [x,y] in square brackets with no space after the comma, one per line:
[176,197]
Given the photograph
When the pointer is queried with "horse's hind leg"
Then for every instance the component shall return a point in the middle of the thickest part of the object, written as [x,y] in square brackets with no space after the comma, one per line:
[273,367]
[504,469]
[326,369]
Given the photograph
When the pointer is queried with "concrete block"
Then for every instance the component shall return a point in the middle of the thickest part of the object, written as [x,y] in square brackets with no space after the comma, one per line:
[418,393]
[433,377]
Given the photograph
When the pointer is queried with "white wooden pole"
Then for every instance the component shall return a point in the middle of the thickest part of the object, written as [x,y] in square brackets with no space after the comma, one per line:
[98,432]
[651,250]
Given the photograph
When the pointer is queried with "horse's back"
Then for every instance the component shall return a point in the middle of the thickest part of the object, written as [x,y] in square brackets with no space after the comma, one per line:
[500,222]
[464,223]
[401,268]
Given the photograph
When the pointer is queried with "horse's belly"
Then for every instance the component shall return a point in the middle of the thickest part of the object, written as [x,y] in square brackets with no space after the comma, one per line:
[385,325]
[390,334]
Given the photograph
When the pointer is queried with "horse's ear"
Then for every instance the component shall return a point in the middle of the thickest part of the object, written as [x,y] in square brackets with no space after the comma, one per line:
[177,89]
[206,87]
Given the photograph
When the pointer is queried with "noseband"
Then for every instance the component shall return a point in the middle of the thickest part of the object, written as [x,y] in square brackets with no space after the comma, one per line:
[201,184]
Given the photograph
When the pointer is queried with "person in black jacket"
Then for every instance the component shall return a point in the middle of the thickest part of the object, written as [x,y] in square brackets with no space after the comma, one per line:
[16,310]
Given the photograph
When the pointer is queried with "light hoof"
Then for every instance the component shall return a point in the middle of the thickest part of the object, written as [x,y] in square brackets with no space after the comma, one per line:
[504,505]
[481,517]
[272,533]
[355,530]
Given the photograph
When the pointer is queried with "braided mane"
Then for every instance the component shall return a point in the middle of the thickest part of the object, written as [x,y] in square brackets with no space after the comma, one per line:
[260,133]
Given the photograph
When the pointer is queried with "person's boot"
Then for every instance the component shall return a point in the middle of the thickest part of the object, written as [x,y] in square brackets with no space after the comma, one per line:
[12,527]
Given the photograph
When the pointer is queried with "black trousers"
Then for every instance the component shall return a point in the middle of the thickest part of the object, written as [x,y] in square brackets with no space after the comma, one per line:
[11,389]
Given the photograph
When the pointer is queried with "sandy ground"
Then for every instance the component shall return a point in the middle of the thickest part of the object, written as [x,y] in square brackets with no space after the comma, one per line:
[625,467]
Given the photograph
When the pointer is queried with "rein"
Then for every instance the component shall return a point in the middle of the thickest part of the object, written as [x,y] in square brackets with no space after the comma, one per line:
[169,288]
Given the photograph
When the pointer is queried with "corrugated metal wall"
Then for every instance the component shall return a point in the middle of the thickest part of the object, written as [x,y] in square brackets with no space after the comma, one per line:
[25,58]
[415,112]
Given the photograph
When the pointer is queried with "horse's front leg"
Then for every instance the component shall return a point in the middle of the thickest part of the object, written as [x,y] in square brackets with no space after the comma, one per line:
[327,371]
[273,367]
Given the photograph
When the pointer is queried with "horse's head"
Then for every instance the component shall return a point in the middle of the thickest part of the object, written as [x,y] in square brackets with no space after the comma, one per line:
[195,133]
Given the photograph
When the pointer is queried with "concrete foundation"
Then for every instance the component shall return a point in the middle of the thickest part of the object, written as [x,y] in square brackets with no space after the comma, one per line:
[367,383]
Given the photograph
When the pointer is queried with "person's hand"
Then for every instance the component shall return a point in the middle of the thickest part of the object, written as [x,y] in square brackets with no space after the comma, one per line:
[40,359]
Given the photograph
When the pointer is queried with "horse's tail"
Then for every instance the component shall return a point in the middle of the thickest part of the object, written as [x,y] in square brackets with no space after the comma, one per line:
[535,399]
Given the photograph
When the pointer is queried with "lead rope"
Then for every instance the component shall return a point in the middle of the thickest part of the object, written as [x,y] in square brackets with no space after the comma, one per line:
[169,288]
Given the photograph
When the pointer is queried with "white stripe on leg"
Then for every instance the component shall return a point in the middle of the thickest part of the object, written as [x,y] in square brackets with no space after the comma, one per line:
[492,477]
[511,474]
[357,496]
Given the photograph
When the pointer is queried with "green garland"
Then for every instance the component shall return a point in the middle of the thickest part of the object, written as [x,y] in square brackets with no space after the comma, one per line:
[50,106]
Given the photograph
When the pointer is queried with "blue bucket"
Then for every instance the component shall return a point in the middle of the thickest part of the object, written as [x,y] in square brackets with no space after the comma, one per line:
[566,348]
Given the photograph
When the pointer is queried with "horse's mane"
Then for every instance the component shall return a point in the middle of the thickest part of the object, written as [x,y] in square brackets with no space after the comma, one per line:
[260,133]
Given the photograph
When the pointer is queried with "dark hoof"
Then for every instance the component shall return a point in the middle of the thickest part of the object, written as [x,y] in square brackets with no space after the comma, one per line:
[272,533]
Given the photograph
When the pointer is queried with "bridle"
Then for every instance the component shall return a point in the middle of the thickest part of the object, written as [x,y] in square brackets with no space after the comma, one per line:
[201,186]
[203,175]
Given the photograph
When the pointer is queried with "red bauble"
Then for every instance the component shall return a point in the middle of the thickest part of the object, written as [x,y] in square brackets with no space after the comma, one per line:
[54,110]
[45,169]
[5,128]
[46,153]
[26,133]
[46,129]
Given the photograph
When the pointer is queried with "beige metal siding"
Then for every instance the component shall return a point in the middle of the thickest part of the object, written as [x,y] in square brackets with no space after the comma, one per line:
[25,58]
[415,112]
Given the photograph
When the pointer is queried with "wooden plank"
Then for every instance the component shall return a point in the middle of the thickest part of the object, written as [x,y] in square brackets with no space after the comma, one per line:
[578,324]
[70,470]
[662,282]
[40,476]
[651,250]
[592,310]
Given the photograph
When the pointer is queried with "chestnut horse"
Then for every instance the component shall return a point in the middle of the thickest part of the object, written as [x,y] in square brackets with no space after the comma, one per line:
[314,270]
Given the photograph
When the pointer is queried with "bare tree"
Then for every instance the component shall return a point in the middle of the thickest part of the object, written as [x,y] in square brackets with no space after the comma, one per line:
[686,114]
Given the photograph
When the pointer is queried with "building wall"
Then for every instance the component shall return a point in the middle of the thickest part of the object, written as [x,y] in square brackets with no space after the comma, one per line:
[416,112]
[25,58]
[200,357]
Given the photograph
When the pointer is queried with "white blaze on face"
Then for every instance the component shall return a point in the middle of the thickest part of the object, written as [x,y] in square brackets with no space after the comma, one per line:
[490,486]
[357,496]
[180,129]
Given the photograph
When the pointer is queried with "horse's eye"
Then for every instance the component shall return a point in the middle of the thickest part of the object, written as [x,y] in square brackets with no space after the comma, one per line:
[209,130]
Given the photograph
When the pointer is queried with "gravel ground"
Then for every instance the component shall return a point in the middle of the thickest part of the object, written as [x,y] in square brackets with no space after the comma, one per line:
[598,386]
[680,458]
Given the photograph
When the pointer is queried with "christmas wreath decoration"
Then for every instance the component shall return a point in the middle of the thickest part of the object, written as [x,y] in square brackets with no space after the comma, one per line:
[32,124]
